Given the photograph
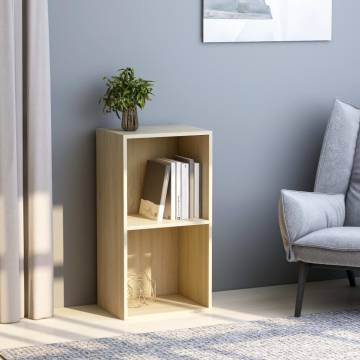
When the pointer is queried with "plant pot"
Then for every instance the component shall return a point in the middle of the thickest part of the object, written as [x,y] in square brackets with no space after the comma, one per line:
[129,120]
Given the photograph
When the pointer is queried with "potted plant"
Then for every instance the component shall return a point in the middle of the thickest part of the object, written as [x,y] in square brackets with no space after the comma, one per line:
[124,94]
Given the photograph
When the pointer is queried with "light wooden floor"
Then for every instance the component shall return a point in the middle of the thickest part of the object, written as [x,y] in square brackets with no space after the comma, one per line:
[251,304]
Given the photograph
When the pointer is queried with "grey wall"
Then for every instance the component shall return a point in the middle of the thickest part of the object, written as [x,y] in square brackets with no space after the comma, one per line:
[266,103]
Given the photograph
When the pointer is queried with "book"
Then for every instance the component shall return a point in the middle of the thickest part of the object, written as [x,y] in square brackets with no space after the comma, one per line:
[170,202]
[184,191]
[178,190]
[156,181]
[197,196]
[190,162]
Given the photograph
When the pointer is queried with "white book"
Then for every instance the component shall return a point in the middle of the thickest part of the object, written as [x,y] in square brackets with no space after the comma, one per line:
[197,190]
[170,203]
[184,191]
[178,190]
[190,162]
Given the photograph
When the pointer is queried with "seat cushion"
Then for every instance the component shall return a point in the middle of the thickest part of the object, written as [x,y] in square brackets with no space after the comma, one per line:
[333,246]
[336,238]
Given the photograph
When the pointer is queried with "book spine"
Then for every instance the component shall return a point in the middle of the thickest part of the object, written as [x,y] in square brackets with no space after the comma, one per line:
[197,190]
[191,190]
[173,191]
[184,191]
[161,213]
[178,190]
[164,191]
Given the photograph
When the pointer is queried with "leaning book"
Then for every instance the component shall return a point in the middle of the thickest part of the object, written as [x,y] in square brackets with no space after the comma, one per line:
[170,202]
[156,182]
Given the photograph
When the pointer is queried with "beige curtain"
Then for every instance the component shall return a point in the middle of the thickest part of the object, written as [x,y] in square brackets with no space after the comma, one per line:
[26,265]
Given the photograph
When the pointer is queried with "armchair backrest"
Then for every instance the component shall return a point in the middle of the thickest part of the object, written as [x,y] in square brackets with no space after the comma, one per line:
[339,166]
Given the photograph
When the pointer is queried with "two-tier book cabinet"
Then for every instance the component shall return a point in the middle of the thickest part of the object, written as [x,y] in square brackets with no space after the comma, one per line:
[176,254]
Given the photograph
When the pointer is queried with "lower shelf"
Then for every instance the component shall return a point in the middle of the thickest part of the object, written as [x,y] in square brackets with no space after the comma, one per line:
[165,304]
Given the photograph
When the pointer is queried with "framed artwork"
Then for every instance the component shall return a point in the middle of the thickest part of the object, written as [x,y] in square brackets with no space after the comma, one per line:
[267,20]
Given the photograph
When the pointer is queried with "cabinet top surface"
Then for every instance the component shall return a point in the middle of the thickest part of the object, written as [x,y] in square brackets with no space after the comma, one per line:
[159,131]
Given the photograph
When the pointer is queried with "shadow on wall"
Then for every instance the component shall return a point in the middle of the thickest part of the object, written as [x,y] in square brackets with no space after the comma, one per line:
[74,209]
[58,238]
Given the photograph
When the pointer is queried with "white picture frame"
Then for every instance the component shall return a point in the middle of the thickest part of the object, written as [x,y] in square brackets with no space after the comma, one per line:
[267,20]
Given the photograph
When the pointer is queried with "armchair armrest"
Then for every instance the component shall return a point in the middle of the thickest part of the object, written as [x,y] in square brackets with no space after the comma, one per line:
[301,213]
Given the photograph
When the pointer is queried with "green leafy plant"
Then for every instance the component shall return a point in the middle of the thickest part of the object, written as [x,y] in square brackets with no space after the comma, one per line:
[125,92]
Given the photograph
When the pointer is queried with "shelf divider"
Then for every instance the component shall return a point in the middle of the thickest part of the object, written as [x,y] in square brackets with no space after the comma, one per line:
[138,222]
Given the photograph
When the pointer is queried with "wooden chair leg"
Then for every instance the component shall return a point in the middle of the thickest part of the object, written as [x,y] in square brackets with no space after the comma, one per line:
[351,277]
[303,274]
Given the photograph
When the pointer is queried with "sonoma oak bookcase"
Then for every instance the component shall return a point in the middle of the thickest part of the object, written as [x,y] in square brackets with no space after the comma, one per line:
[176,254]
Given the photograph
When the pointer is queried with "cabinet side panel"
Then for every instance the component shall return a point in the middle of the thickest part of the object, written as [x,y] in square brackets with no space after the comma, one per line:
[195,243]
[194,264]
[110,222]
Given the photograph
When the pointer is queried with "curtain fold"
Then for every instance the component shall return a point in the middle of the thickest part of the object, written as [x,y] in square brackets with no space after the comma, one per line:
[26,257]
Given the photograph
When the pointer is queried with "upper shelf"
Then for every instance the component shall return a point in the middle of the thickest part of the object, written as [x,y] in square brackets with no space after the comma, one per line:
[137,222]
[160,131]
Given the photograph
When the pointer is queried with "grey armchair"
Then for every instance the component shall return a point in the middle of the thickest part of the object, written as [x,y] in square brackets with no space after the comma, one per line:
[323,228]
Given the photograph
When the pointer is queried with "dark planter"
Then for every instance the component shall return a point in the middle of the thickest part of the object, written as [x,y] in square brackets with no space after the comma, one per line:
[129,120]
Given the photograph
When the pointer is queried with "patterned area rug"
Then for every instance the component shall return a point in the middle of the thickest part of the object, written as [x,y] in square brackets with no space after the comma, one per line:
[322,336]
